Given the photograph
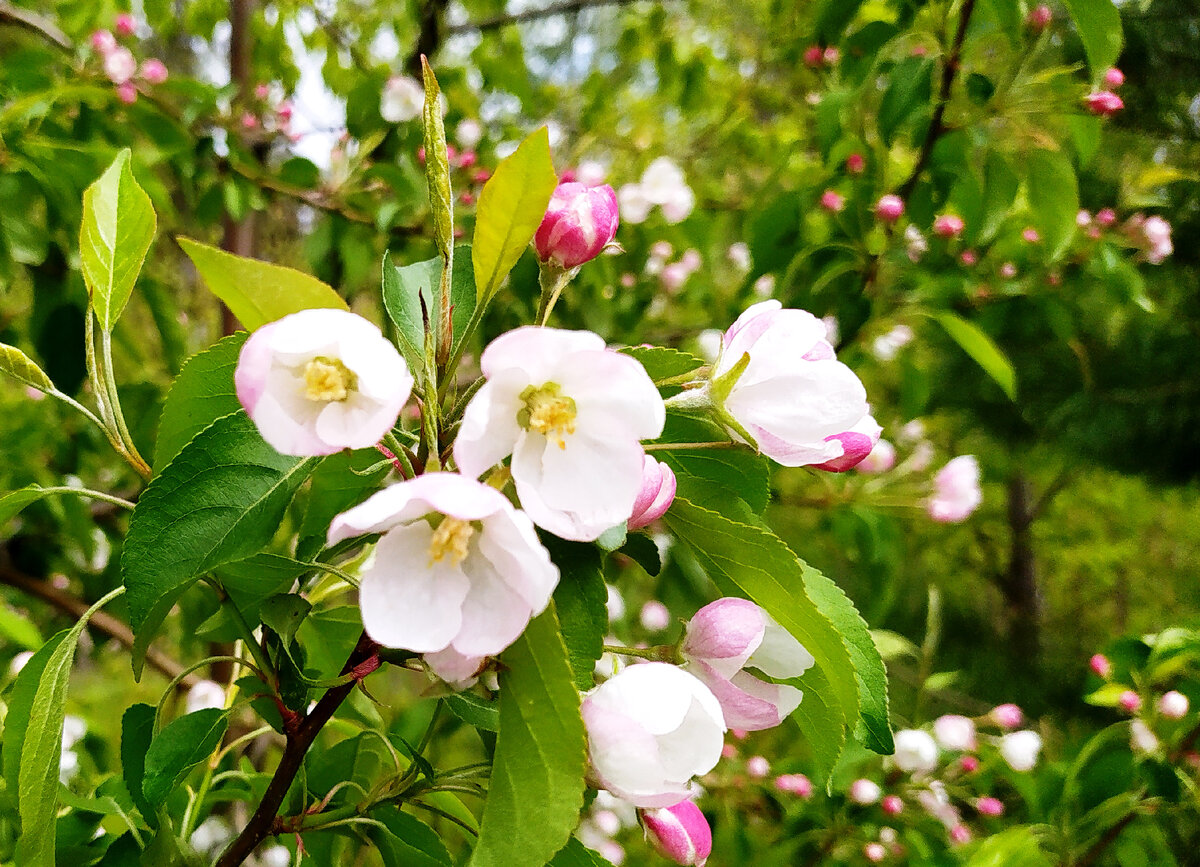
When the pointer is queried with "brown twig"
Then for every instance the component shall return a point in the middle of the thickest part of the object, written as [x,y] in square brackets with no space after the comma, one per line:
[566,7]
[101,620]
[1090,857]
[362,661]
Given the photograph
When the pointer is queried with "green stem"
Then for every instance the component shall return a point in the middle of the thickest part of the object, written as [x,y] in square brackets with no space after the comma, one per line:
[673,447]
[252,644]
[552,280]
[457,353]
[657,654]
[95,495]
[110,383]
[74,404]
[208,660]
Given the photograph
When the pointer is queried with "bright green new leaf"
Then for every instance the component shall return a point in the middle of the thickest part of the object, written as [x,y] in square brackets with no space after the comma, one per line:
[201,394]
[221,499]
[258,292]
[437,167]
[1053,199]
[536,788]
[404,287]
[16,628]
[12,503]
[180,746]
[579,601]
[118,227]
[982,349]
[20,367]
[511,207]
[1099,26]
[664,363]
[41,749]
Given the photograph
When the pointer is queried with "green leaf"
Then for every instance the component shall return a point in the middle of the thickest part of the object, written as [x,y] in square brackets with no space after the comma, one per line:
[18,365]
[180,746]
[579,600]
[575,854]
[201,394]
[475,710]
[403,288]
[752,562]
[363,759]
[712,477]
[510,209]
[221,499]
[1000,185]
[1053,198]
[982,349]
[407,842]
[536,789]
[14,502]
[337,484]
[20,703]
[18,629]
[911,88]
[137,731]
[284,613]
[252,580]
[41,748]
[258,292]
[1016,847]
[663,363]
[118,226]
[1099,26]
[437,168]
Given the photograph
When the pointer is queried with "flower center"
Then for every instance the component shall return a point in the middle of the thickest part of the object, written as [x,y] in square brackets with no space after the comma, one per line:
[451,537]
[327,380]
[547,411]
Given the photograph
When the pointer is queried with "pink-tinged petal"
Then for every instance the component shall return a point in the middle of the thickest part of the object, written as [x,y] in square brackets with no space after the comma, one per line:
[493,614]
[452,667]
[511,545]
[724,633]
[580,221]
[779,654]
[613,394]
[407,601]
[857,443]
[253,368]
[536,350]
[657,494]
[624,755]
[679,832]
[448,493]
[740,705]
[489,427]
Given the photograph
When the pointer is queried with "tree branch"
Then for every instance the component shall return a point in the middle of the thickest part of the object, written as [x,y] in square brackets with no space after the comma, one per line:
[565,7]
[362,661]
[101,620]
[35,23]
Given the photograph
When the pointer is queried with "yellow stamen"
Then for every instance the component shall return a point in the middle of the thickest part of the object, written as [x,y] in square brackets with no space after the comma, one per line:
[547,411]
[452,537]
[327,380]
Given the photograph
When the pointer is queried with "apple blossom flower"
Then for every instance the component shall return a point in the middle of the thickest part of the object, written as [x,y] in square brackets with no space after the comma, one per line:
[793,397]
[127,93]
[457,574]
[936,802]
[1008,270]
[1129,701]
[758,767]
[119,65]
[249,120]
[1031,235]
[794,784]
[739,254]
[969,764]
[103,41]
[1083,219]
[275,856]
[211,835]
[831,56]
[954,732]
[892,805]
[21,659]
[1114,77]
[1141,738]
[857,444]
[960,834]
[833,202]
[468,133]
[1039,17]
[1173,704]
[1106,217]
[887,346]
[1103,103]
[915,245]
[832,329]
[989,806]
[205,694]
[680,206]
[1007,716]
[320,381]
[874,852]
[1020,749]
[1100,665]
[727,637]
[571,414]
[916,751]
[656,495]
[855,164]
[125,24]
[764,286]
[262,90]
[880,459]
[956,491]
[651,728]
[1157,232]
[402,100]
[948,226]
[284,110]
[579,223]
[889,208]
[154,71]
[591,173]
[813,56]
[654,616]
[968,258]
[865,792]
[673,276]
[679,832]
[635,206]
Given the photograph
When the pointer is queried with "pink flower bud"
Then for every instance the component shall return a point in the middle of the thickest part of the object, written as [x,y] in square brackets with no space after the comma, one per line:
[154,71]
[467,197]
[956,491]
[889,208]
[948,226]
[857,444]
[893,805]
[989,806]
[832,202]
[758,767]
[482,176]
[421,154]
[628,280]
[831,56]
[729,751]
[1007,716]
[451,153]
[1039,18]
[249,120]
[813,56]
[960,834]
[1031,236]
[855,164]
[654,616]
[284,110]
[691,260]
[656,495]
[127,93]
[1114,77]
[865,792]
[1106,217]
[739,734]
[1100,665]
[1008,270]
[680,833]
[1103,103]
[1129,701]
[968,258]
[579,223]
[103,41]
[1173,704]
[881,459]
[261,91]
[874,852]
[124,24]
[119,65]
[467,159]
[568,176]
[794,784]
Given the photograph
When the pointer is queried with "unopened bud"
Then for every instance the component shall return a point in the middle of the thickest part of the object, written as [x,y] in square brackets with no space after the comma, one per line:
[857,444]
[1007,716]
[794,784]
[874,852]
[1129,701]
[680,833]
[1173,704]
[948,226]
[1103,103]
[758,767]
[863,791]
[1114,77]
[889,208]
[832,202]
[656,495]
[124,24]
[893,805]
[1039,18]
[579,223]
[154,71]
[1100,665]
[855,164]
[989,806]
[103,41]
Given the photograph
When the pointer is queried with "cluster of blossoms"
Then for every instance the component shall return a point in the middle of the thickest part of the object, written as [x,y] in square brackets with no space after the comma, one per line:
[674,274]
[1165,709]
[120,66]
[1149,235]
[458,569]
[270,112]
[662,184]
